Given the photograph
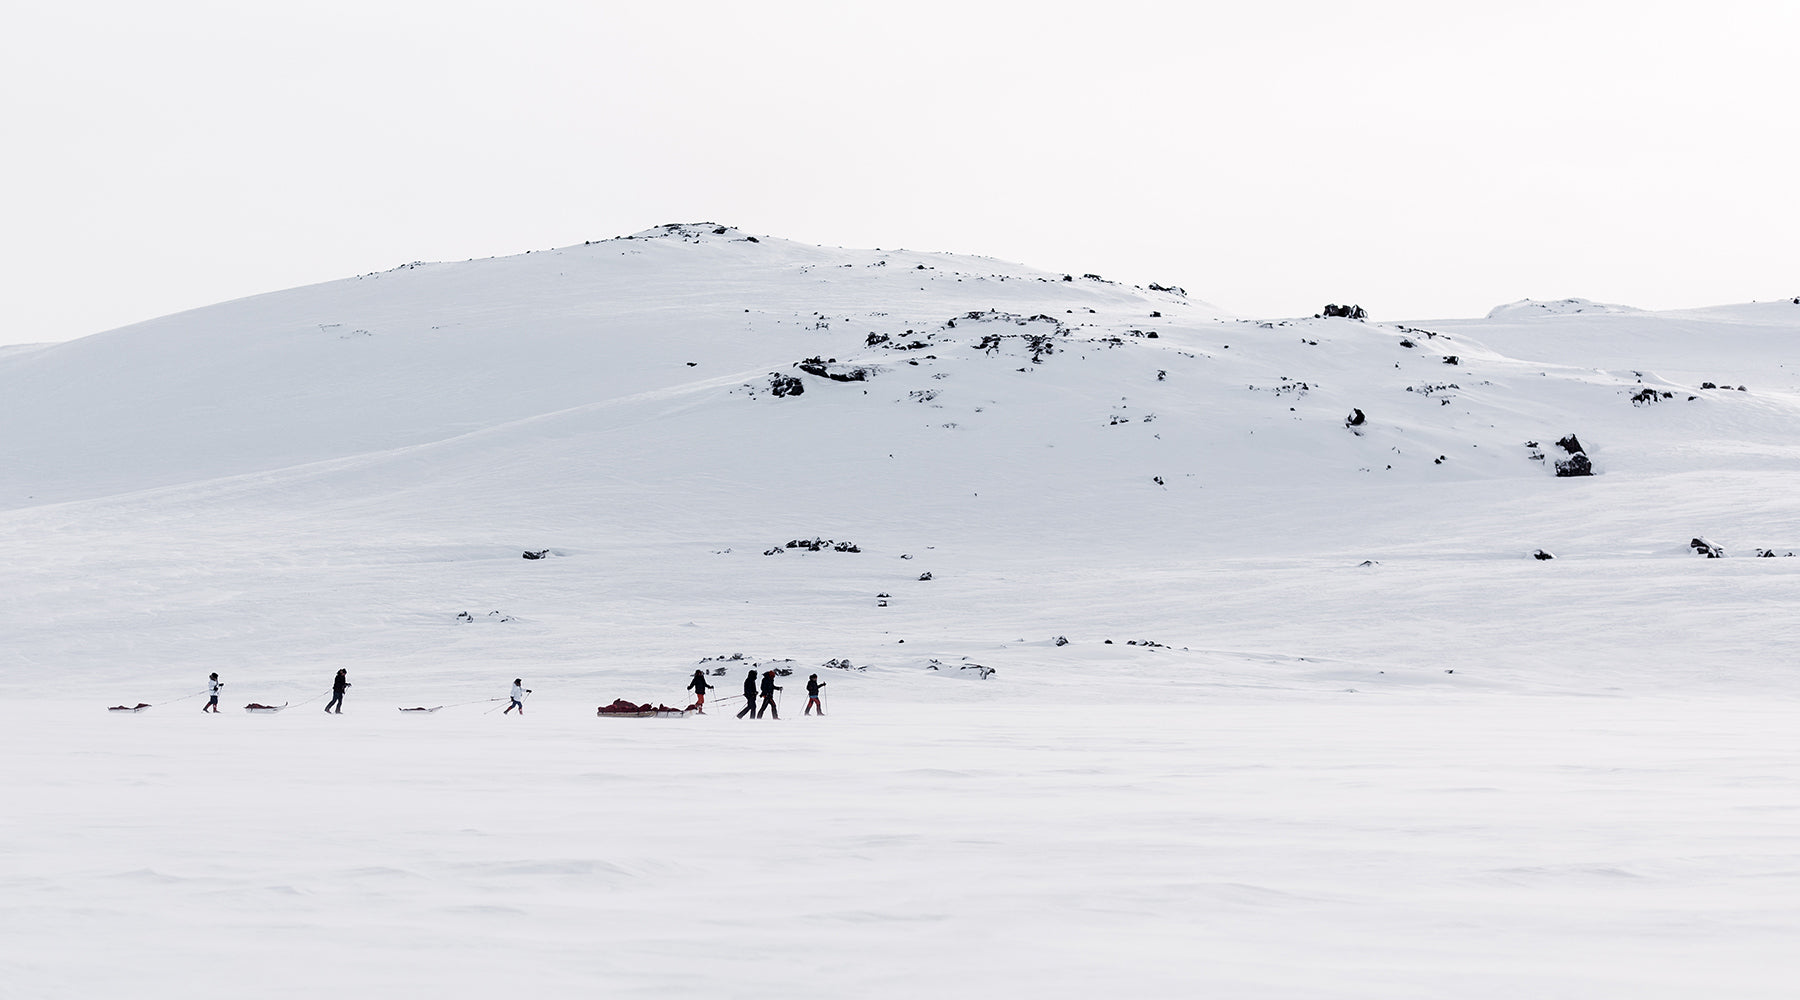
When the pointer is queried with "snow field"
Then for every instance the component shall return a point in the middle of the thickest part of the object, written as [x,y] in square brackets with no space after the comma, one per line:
[1348,739]
[1318,847]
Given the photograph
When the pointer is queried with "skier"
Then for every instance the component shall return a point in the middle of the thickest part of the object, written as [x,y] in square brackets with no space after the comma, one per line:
[338,684]
[749,694]
[699,686]
[812,695]
[519,692]
[769,687]
[213,684]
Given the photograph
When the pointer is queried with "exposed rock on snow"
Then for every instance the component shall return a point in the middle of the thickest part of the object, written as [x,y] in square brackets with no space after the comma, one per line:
[834,371]
[1039,337]
[1706,548]
[782,667]
[1577,464]
[818,545]
[980,671]
[492,616]
[691,232]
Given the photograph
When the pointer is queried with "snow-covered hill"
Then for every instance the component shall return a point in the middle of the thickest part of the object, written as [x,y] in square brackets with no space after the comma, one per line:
[1154,467]
[697,319]
[1310,542]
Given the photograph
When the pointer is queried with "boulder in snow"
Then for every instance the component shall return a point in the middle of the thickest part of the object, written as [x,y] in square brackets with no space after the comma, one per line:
[1575,465]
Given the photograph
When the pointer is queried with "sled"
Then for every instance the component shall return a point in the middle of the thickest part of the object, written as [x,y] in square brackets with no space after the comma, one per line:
[623,709]
[427,711]
[254,709]
[139,707]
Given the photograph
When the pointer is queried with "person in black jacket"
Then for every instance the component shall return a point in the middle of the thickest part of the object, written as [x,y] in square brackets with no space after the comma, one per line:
[749,694]
[699,686]
[338,684]
[769,687]
[812,695]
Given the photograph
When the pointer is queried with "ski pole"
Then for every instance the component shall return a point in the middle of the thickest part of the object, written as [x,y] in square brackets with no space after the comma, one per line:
[508,699]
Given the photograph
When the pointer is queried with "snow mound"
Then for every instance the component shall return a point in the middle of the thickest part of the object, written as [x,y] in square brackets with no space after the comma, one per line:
[1559,307]
[692,231]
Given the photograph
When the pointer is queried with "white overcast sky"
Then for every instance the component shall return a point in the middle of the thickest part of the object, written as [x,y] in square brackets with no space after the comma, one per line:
[1424,159]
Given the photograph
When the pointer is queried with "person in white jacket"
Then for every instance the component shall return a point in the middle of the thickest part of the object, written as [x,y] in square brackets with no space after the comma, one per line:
[519,692]
[213,684]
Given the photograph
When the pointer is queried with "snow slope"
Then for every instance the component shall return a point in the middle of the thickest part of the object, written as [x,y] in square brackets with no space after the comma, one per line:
[1280,706]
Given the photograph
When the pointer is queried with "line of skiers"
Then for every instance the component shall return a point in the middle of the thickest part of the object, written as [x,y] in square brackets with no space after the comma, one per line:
[699,685]
[767,688]
[335,705]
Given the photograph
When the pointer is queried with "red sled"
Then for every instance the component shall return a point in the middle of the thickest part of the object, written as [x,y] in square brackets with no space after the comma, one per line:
[622,709]
[254,709]
[139,707]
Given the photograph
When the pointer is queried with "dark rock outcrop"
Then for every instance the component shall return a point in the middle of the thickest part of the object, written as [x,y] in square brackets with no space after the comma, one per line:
[836,373]
[1575,465]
